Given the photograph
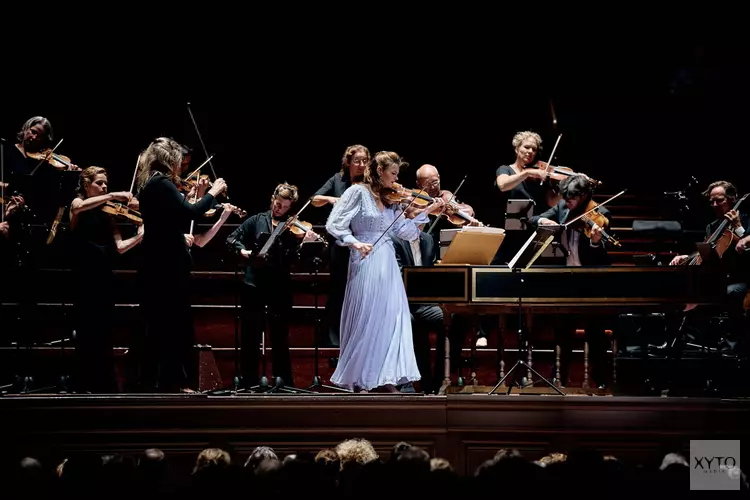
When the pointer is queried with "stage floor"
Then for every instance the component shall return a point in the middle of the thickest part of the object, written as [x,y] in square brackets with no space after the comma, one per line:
[464,428]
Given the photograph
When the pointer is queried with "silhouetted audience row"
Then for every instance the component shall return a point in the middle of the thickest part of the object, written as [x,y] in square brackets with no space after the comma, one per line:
[351,470]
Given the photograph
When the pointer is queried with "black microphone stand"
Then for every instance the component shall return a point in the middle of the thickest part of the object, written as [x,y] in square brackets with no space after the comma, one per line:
[311,250]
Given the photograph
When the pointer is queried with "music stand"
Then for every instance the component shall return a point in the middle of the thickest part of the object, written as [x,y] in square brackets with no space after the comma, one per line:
[525,257]
[310,251]
[518,213]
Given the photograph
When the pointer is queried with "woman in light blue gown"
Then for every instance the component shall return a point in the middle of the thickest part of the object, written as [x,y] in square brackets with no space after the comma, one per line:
[376,338]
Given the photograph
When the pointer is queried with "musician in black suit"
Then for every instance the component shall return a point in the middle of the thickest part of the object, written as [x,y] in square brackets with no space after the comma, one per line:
[735,262]
[581,251]
[267,283]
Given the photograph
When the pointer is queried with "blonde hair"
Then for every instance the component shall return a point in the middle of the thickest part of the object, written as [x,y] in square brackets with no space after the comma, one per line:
[356,450]
[87,177]
[212,457]
[286,191]
[163,155]
[527,134]
[349,153]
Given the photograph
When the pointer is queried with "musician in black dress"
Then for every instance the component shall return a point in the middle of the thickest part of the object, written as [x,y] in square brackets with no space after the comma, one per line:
[581,251]
[353,164]
[521,180]
[95,238]
[164,273]
[267,283]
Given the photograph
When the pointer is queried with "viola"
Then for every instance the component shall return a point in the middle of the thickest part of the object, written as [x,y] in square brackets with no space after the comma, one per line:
[559,173]
[399,194]
[720,240]
[455,211]
[586,221]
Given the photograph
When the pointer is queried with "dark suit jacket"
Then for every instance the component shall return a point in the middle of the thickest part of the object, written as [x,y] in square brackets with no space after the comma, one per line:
[405,256]
[590,255]
[737,266]
[248,237]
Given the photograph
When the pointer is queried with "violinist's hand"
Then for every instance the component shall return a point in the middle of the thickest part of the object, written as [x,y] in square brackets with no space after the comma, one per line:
[246,253]
[546,222]
[310,236]
[743,244]
[14,204]
[141,230]
[219,187]
[332,199]
[227,211]
[363,248]
[534,173]
[734,219]
[134,204]
[202,187]
[596,234]
[123,196]
[4,229]
[437,206]
[679,259]
[189,239]
[74,167]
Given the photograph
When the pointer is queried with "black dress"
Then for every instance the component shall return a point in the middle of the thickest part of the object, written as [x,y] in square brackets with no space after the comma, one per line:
[528,189]
[164,280]
[339,263]
[94,253]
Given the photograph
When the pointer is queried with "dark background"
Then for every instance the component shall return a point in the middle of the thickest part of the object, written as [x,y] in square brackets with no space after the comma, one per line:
[643,118]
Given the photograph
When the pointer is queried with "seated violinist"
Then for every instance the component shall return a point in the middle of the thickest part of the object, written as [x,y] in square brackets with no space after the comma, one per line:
[428,178]
[722,196]
[267,282]
[581,251]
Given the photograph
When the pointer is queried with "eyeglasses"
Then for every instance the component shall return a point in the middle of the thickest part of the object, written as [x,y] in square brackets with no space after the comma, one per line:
[359,161]
[717,201]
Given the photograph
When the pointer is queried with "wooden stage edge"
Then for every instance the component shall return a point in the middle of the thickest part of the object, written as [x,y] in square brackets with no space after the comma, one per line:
[464,428]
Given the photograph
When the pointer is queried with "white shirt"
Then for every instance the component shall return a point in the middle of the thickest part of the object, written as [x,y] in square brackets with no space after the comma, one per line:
[573,259]
[416,251]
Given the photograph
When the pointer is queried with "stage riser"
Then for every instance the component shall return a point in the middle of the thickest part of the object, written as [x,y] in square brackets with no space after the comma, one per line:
[463,429]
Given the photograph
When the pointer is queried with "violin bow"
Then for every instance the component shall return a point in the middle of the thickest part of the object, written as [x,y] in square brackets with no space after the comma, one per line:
[135,173]
[47,158]
[203,145]
[549,163]
[432,226]
[403,212]
[195,172]
[280,229]
[595,208]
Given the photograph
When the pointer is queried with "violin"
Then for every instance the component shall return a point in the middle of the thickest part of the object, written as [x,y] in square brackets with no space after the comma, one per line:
[561,173]
[123,211]
[59,162]
[235,210]
[399,194]
[454,212]
[299,228]
[589,218]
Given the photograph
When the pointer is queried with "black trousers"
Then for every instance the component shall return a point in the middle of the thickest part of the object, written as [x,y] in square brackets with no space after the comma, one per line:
[267,306]
[168,361]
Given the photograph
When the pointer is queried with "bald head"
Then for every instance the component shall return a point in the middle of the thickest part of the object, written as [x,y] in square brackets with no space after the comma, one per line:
[429,179]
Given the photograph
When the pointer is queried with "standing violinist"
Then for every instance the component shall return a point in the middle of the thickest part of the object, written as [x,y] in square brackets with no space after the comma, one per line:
[166,263]
[581,251]
[722,196]
[95,238]
[267,284]
[353,164]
